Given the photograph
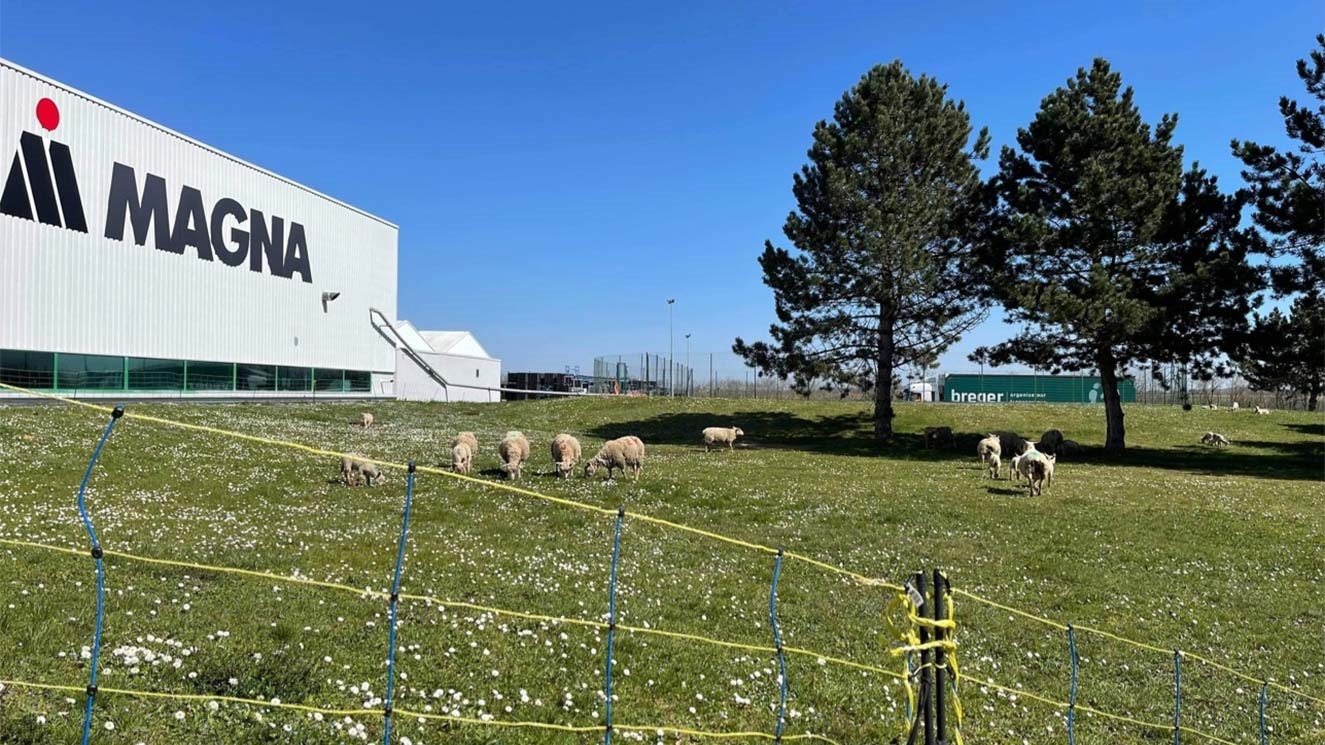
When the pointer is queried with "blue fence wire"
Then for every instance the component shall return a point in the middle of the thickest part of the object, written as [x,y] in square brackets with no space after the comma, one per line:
[101,574]
[1177,697]
[777,642]
[1072,691]
[395,602]
[611,628]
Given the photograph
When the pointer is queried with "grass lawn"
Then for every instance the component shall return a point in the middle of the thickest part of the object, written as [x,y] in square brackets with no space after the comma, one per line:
[1218,552]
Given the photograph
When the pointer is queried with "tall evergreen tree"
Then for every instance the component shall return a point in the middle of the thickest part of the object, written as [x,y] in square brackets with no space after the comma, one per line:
[1286,353]
[886,206]
[1288,191]
[1108,252]
[1288,187]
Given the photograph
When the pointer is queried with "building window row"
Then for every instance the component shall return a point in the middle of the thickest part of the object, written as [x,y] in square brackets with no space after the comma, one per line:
[54,371]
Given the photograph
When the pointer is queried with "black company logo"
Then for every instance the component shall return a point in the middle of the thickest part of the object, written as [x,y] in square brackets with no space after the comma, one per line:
[41,184]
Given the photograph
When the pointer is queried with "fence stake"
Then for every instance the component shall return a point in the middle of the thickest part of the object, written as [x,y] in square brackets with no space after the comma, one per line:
[777,642]
[926,668]
[395,601]
[611,627]
[1264,686]
[1177,697]
[101,574]
[940,661]
[1072,691]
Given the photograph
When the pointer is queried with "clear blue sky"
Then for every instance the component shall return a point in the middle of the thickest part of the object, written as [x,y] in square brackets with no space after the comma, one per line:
[559,170]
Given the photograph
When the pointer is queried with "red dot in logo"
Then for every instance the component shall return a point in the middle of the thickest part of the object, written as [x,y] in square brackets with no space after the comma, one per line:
[47,114]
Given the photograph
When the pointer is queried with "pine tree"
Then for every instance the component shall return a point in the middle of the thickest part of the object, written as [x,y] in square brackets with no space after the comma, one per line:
[1106,250]
[886,206]
[1288,192]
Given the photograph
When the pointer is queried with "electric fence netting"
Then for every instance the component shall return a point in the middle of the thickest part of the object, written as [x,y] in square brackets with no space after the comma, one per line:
[923,660]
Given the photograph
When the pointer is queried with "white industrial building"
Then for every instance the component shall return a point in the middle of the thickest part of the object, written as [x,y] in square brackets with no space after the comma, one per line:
[135,260]
[454,356]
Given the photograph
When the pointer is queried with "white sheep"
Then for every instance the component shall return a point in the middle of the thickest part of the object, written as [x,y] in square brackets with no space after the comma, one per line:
[1235,406]
[356,468]
[1261,411]
[1214,439]
[995,466]
[565,454]
[1212,406]
[462,458]
[623,452]
[721,436]
[988,446]
[469,439]
[1014,469]
[514,452]
[1039,471]
[365,420]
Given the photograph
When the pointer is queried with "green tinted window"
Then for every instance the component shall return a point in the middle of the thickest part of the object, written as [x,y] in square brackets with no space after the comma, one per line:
[211,376]
[295,378]
[358,380]
[328,380]
[27,369]
[91,372]
[256,377]
[155,375]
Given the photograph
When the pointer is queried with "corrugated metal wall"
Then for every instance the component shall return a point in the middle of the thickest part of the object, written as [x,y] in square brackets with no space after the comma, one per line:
[68,291]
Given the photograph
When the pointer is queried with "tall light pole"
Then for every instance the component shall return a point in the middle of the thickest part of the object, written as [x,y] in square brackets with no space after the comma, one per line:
[687,364]
[671,365]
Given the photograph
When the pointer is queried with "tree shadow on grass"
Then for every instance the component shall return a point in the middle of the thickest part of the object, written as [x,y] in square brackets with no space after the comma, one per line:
[1307,429]
[852,435]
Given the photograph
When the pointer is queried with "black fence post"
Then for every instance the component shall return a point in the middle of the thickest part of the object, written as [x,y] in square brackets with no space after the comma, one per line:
[1177,697]
[777,641]
[926,665]
[940,658]
[1075,661]
[611,628]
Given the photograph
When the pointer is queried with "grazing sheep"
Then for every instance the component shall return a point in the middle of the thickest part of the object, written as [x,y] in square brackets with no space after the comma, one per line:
[1261,412]
[1235,406]
[514,452]
[469,439]
[355,469]
[365,420]
[721,436]
[988,446]
[995,466]
[938,436]
[462,458]
[565,454]
[1050,441]
[623,452]
[1214,439]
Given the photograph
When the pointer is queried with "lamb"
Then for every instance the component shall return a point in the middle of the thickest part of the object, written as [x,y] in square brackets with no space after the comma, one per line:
[365,420]
[1014,470]
[1038,470]
[1214,439]
[623,452]
[1261,412]
[462,457]
[994,465]
[938,436]
[469,439]
[1235,406]
[565,454]
[1212,406]
[988,446]
[514,452]
[354,468]
[721,436]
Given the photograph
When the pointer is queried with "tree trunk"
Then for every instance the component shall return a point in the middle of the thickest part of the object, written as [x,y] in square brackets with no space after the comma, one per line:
[883,383]
[1312,395]
[1113,402]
